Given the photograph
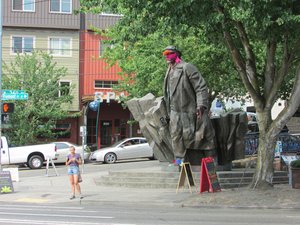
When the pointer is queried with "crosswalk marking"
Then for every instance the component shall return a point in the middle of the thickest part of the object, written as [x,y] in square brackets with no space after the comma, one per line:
[50,214]
[55,215]
[46,206]
[44,222]
[26,208]
[32,200]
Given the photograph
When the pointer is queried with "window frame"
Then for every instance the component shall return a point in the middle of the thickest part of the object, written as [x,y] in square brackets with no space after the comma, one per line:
[68,131]
[60,43]
[60,8]
[21,36]
[64,81]
[102,50]
[22,10]
[112,82]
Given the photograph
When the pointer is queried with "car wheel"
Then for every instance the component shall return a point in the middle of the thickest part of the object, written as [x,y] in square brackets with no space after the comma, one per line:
[35,162]
[110,158]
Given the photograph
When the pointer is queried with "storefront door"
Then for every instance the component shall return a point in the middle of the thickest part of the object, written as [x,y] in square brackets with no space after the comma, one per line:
[106,133]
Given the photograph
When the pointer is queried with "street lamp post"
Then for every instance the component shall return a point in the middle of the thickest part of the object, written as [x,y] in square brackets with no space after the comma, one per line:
[97,124]
[95,106]
[0,79]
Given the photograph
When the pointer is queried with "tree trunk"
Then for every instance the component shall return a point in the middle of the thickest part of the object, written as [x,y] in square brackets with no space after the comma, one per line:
[264,172]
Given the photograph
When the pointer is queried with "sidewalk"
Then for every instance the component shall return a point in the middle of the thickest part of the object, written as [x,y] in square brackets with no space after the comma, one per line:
[56,189]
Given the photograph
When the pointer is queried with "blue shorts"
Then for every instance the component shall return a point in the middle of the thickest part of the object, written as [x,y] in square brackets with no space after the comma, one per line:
[73,170]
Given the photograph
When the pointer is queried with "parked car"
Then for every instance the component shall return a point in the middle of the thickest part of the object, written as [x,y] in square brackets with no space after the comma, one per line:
[32,155]
[63,149]
[289,143]
[129,148]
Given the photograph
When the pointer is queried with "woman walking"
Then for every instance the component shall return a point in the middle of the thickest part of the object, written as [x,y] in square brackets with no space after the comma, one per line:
[73,162]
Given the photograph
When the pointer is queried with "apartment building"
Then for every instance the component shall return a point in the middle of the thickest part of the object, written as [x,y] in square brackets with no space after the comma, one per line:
[48,26]
[97,79]
[51,26]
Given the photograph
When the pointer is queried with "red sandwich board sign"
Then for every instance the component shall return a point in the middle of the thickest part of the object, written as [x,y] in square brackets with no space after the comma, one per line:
[208,176]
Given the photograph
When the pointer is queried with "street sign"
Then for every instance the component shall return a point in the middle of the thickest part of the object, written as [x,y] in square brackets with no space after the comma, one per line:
[8,92]
[82,131]
[14,95]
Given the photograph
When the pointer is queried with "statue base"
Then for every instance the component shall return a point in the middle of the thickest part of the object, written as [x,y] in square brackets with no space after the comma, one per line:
[195,156]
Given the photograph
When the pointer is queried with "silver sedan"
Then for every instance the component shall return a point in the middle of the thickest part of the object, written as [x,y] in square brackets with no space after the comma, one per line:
[63,150]
[129,148]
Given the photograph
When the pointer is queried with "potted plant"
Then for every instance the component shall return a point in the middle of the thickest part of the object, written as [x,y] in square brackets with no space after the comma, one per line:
[295,168]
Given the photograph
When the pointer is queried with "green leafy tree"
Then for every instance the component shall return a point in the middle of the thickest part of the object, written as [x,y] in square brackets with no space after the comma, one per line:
[36,117]
[144,67]
[262,38]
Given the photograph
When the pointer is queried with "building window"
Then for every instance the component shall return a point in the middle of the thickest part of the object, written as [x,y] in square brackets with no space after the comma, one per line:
[60,6]
[62,130]
[22,44]
[23,5]
[64,88]
[103,47]
[105,83]
[60,46]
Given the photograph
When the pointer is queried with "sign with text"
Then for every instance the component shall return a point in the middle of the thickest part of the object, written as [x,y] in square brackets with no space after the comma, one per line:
[14,95]
[109,95]
[82,131]
[6,185]
[289,158]
[208,176]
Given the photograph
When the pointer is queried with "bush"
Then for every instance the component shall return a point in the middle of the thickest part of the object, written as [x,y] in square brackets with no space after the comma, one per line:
[295,163]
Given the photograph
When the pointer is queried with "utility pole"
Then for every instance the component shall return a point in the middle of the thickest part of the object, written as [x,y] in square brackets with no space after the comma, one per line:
[0,79]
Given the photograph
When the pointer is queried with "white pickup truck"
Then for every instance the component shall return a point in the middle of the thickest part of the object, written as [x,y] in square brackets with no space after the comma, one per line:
[32,155]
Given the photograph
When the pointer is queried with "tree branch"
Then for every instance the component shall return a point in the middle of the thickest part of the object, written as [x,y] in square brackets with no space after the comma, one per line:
[250,58]
[292,105]
[240,62]
[270,67]
[285,65]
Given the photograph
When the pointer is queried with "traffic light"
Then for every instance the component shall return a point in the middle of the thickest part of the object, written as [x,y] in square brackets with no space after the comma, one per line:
[8,107]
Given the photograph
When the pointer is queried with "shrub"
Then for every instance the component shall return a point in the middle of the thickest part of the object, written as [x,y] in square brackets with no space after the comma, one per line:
[295,163]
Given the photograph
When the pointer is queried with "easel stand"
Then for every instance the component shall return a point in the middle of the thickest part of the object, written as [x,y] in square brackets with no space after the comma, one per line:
[186,174]
[208,176]
[47,167]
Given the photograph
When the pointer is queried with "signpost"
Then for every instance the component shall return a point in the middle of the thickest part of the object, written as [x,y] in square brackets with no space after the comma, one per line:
[83,135]
[0,77]
[7,95]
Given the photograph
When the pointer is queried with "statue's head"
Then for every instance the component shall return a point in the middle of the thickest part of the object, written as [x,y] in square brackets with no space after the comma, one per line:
[172,49]
[172,54]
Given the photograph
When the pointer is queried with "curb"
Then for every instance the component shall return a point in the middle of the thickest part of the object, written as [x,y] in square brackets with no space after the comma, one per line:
[240,207]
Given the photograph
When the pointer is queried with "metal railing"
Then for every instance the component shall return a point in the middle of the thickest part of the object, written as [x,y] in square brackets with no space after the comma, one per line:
[290,143]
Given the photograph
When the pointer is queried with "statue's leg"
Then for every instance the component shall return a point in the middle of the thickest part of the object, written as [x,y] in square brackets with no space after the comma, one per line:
[176,136]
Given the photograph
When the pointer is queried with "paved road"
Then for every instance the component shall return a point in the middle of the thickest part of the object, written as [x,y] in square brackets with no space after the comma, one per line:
[43,200]
[75,214]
